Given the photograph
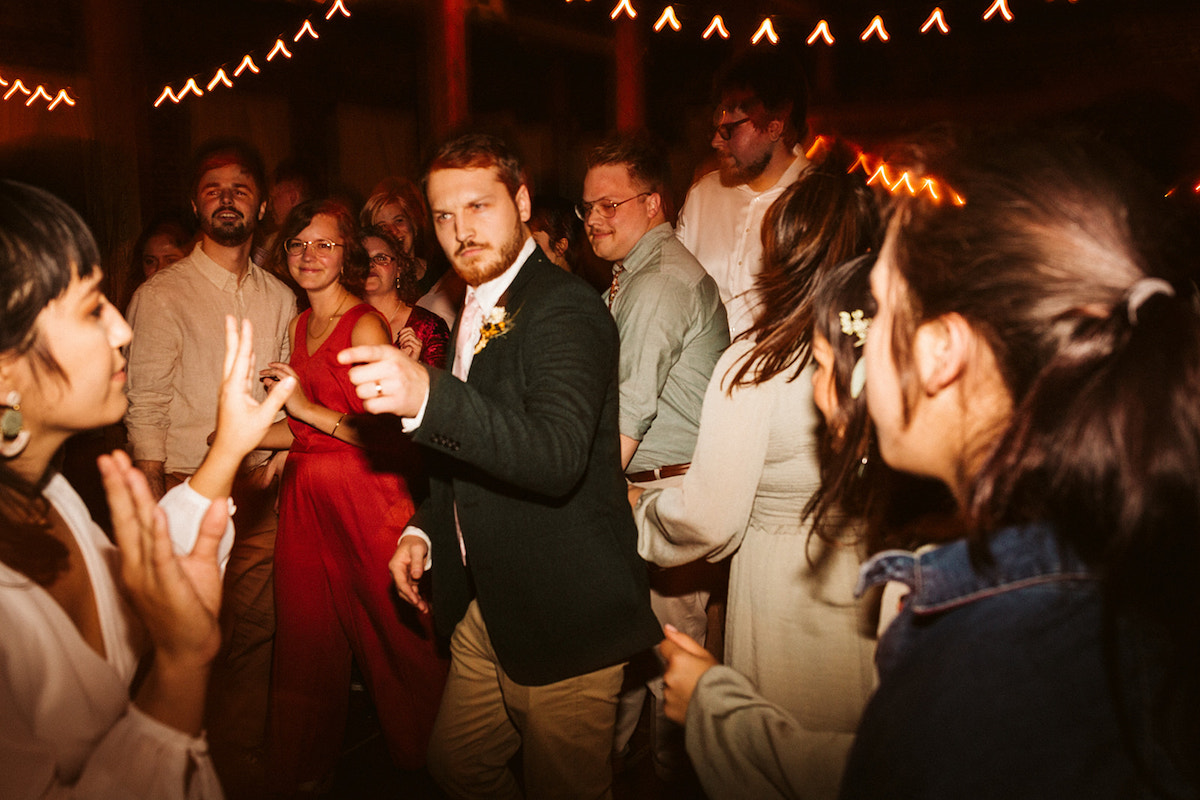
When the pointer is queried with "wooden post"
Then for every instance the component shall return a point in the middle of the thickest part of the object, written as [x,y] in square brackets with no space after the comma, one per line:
[628,50]
[449,89]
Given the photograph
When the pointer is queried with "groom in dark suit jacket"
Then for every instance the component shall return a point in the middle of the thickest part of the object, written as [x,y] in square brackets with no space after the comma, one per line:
[527,529]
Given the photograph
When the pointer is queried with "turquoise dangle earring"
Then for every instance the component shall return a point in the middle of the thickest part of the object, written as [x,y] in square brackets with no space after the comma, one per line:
[11,423]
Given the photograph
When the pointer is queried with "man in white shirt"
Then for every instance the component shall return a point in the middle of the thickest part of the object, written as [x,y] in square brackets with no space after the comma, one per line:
[536,576]
[175,368]
[760,126]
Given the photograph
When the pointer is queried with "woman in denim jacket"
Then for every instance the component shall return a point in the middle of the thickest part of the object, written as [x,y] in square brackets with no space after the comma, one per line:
[1037,348]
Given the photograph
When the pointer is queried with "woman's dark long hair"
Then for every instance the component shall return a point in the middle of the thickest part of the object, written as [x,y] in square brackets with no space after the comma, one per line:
[1078,274]
[43,244]
[826,217]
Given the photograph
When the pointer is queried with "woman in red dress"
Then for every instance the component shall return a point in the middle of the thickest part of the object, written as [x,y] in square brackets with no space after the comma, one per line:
[339,521]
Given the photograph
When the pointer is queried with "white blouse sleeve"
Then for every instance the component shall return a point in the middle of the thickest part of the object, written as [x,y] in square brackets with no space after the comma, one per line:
[185,508]
[706,516]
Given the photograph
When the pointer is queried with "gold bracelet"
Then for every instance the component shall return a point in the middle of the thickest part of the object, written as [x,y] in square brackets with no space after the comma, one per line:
[336,424]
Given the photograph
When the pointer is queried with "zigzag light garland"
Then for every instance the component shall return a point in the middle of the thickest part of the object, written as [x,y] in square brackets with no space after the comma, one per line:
[876,29]
[221,78]
[17,88]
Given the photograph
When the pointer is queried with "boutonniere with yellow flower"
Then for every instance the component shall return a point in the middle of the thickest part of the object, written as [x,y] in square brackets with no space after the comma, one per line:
[496,323]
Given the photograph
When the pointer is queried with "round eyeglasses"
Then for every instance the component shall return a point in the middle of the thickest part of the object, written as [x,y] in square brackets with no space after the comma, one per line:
[605,208]
[295,247]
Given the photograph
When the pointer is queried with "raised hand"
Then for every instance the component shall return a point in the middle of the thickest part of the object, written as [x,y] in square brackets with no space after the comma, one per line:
[242,421]
[686,660]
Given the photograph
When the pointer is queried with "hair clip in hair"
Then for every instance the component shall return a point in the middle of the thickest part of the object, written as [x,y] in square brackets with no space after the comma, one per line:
[11,422]
[1141,291]
[855,323]
[858,378]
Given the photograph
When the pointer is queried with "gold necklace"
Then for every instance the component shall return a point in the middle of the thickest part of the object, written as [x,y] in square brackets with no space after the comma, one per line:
[337,312]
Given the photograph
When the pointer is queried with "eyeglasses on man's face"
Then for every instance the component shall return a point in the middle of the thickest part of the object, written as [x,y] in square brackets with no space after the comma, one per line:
[605,208]
[725,129]
[295,247]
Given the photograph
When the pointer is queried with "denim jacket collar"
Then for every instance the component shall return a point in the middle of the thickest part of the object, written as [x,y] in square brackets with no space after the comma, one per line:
[944,577]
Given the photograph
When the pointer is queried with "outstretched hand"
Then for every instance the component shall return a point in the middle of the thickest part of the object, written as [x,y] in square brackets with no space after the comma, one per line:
[178,597]
[687,661]
[387,380]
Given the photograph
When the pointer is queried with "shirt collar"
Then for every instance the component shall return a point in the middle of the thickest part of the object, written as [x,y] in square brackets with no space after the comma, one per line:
[487,294]
[944,577]
[642,252]
[790,175]
[216,274]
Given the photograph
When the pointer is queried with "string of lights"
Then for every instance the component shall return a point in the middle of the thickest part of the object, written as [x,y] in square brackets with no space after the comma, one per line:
[17,89]
[821,32]
[247,64]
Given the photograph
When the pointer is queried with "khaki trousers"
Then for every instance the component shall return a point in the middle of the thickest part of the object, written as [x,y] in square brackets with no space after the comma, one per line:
[564,729]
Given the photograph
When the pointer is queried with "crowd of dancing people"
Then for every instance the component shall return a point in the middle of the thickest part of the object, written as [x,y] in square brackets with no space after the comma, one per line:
[948,453]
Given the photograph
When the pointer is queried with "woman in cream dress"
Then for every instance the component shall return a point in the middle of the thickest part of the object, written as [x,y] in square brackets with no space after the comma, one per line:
[793,627]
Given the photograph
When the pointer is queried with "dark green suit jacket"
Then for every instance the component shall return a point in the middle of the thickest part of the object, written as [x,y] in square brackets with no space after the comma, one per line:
[527,449]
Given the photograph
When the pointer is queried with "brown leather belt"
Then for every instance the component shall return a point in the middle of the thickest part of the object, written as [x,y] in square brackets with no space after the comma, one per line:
[658,473]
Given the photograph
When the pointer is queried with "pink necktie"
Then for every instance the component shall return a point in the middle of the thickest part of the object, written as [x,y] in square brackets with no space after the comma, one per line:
[468,335]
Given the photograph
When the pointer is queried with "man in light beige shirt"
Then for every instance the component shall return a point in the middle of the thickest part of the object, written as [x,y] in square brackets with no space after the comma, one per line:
[175,364]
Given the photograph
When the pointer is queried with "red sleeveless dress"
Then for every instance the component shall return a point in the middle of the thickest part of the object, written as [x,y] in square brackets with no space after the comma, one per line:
[339,521]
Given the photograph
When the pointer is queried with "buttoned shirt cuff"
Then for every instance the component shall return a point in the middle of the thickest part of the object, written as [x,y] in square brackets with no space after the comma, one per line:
[410,424]
[420,534]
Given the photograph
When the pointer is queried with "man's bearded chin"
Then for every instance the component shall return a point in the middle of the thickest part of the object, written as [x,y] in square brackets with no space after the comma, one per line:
[480,271]
[734,173]
[228,234]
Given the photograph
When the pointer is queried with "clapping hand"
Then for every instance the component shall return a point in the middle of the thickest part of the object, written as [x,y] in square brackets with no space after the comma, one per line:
[409,343]
[178,597]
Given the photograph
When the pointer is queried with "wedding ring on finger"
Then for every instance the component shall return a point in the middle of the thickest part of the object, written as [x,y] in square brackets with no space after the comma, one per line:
[378,389]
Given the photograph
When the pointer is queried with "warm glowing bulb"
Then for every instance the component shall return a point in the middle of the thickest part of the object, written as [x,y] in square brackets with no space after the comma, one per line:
[305,28]
[998,6]
[718,26]
[220,77]
[2,81]
[190,86]
[40,91]
[61,97]
[167,94]
[278,49]
[336,7]
[817,144]
[822,32]
[875,28]
[17,86]
[930,185]
[765,29]
[880,176]
[247,64]
[668,18]
[623,7]
[938,18]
